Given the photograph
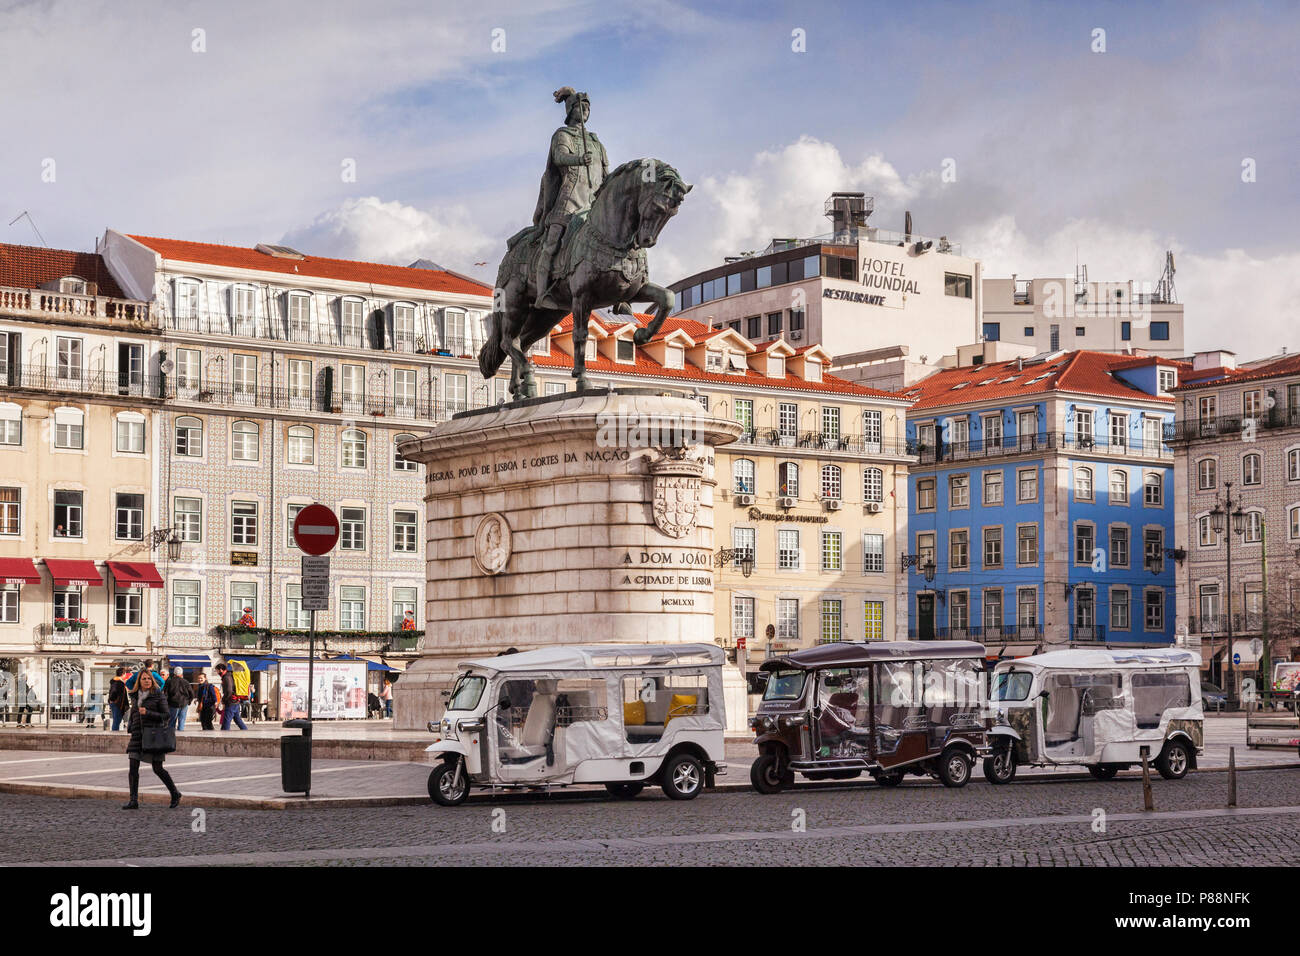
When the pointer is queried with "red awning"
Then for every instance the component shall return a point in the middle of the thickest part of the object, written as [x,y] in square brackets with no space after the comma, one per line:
[72,571]
[19,571]
[135,574]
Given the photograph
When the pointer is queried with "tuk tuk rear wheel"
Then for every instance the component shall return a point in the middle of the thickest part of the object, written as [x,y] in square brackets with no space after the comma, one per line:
[625,791]
[1174,762]
[1001,767]
[1104,771]
[683,777]
[889,778]
[954,767]
[442,788]
[765,777]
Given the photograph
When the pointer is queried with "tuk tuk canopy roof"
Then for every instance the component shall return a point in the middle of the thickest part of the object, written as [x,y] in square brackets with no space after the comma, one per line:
[579,657]
[1106,659]
[844,654]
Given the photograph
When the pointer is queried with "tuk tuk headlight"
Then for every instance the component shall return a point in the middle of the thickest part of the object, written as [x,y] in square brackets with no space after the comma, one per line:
[449,729]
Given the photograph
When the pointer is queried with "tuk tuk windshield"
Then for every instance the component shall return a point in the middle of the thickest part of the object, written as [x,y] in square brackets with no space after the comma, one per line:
[1011,685]
[466,692]
[785,685]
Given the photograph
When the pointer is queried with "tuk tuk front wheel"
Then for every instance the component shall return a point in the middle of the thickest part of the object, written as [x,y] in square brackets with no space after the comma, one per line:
[1001,767]
[443,787]
[683,777]
[954,767]
[765,776]
[625,791]
[1174,761]
[889,778]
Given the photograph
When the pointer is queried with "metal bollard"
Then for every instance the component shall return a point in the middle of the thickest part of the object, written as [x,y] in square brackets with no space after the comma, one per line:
[1232,776]
[1148,801]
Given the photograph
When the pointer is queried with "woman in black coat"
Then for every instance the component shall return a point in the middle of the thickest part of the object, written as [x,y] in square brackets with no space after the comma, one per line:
[148,709]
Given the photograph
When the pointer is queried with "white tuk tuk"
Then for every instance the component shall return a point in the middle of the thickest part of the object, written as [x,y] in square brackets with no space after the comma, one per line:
[1097,709]
[619,714]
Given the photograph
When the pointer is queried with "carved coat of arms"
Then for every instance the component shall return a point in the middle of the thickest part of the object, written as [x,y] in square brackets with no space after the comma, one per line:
[676,495]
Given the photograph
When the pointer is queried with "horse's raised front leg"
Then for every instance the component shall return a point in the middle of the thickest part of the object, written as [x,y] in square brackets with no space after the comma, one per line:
[663,300]
[581,316]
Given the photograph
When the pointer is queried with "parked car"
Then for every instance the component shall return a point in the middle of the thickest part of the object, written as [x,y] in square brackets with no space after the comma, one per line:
[1212,696]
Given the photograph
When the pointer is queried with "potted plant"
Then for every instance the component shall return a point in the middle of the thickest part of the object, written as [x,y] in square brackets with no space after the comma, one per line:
[62,624]
[80,624]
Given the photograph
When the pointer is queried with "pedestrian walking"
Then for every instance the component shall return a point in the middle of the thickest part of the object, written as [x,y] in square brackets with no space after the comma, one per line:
[148,666]
[206,695]
[148,709]
[179,694]
[386,695]
[117,697]
[230,706]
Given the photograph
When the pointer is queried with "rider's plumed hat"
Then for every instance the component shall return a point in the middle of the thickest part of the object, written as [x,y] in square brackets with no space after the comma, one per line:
[570,97]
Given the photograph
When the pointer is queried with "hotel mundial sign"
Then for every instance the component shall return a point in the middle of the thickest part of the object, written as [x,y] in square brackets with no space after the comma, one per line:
[886,275]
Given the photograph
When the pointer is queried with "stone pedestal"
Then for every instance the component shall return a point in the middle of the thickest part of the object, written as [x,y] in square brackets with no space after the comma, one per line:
[577,518]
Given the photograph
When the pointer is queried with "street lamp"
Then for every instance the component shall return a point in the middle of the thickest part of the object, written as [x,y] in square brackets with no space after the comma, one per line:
[744,555]
[1219,522]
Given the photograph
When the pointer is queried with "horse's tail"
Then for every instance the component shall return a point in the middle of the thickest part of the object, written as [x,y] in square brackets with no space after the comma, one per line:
[492,355]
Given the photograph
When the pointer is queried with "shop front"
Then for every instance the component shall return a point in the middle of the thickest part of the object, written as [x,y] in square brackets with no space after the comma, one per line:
[58,690]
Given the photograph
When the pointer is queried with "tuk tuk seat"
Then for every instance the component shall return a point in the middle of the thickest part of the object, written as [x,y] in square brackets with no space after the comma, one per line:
[539,726]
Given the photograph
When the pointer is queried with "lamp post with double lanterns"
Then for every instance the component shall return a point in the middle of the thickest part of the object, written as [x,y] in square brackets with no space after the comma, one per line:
[1226,521]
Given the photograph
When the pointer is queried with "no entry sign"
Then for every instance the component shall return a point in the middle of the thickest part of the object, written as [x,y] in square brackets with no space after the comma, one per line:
[316,529]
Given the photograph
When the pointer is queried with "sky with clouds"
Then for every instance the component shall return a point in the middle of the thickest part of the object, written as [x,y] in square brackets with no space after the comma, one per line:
[235,122]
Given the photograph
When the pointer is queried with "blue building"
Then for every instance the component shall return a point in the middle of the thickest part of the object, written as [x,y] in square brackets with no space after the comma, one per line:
[1041,511]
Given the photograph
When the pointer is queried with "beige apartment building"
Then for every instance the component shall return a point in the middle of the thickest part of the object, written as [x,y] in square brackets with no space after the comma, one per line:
[1237,440]
[813,497]
[78,447]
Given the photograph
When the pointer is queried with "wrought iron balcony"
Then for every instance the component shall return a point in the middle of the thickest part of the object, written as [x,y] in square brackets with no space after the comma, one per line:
[48,636]
[1232,427]
[77,381]
[846,444]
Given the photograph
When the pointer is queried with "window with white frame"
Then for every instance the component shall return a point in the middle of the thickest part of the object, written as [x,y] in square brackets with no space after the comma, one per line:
[742,473]
[352,608]
[69,428]
[958,612]
[832,621]
[1152,435]
[400,461]
[925,494]
[127,606]
[1119,609]
[403,601]
[1082,483]
[830,423]
[456,391]
[1251,469]
[1254,531]
[130,434]
[67,603]
[353,384]
[712,360]
[1153,490]
[187,299]
[1207,474]
[787,477]
[302,445]
[189,437]
[1154,600]
[787,619]
[1085,541]
[243,309]
[992,612]
[743,410]
[454,323]
[992,432]
[10,511]
[1153,550]
[354,448]
[1118,431]
[352,529]
[128,517]
[1293,465]
[243,600]
[187,518]
[243,376]
[959,491]
[67,514]
[243,523]
[405,527]
[873,485]
[185,603]
[1027,607]
[295,618]
[831,482]
[958,549]
[924,549]
[1118,486]
[744,542]
[352,322]
[11,419]
[245,442]
[1205,532]
[1027,544]
[993,487]
[299,316]
[742,618]
[404,326]
[188,368]
[300,382]
[787,549]
[1120,546]
[873,552]
[871,430]
[674,357]
[787,422]
[832,551]
[404,391]
[292,514]
[1027,484]
[992,547]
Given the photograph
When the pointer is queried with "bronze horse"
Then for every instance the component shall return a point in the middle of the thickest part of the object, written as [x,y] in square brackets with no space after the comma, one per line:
[601,262]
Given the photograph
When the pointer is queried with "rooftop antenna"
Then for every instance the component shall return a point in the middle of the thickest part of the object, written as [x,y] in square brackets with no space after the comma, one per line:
[32,222]
[1165,292]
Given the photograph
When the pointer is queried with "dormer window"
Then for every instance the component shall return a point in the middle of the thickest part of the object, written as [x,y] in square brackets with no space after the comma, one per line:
[72,285]
[625,350]
[674,357]
[738,365]
[776,366]
[1168,379]
[812,371]
[590,350]
[541,347]
[713,361]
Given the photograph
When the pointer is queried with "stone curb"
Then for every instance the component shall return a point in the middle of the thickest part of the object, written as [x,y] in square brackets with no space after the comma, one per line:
[220,744]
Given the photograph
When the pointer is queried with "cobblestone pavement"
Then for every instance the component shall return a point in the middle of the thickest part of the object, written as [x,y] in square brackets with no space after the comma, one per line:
[1040,823]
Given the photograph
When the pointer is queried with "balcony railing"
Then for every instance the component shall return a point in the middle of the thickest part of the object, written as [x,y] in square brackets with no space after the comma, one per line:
[335,334]
[47,635]
[101,310]
[1231,426]
[1037,444]
[417,406]
[1088,633]
[985,633]
[849,444]
[80,381]
[1217,624]
[295,642]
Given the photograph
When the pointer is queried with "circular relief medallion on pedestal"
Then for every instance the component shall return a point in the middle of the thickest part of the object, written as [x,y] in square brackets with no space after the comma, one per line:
[492,544]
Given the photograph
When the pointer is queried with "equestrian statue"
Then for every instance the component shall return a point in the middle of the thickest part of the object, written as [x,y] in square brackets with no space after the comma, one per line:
[585,249]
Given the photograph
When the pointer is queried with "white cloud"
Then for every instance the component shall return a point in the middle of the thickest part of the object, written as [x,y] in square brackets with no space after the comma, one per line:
[369,228]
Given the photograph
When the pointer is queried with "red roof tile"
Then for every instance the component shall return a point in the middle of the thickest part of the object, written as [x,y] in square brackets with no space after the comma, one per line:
[319,267]
[29,267]
[1085,372]
[644,365]
[1287,365]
